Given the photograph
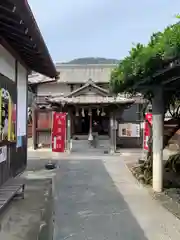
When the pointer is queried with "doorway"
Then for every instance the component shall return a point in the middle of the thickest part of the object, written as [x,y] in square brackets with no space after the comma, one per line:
[81,122]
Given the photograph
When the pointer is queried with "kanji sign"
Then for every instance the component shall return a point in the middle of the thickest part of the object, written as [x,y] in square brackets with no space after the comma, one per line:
[148,118]
[58,131]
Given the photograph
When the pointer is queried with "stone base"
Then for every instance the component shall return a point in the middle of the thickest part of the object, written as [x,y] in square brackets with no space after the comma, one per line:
[112,151]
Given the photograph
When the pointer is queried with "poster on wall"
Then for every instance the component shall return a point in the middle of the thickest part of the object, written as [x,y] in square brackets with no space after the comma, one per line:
[3,154]
[7,116]
[58,131]
[129,130]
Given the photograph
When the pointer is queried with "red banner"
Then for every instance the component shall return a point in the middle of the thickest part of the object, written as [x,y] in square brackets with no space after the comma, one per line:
[148,118]
[58,131]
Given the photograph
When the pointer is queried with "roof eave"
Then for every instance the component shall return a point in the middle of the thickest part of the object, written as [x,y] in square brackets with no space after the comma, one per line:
[24,12]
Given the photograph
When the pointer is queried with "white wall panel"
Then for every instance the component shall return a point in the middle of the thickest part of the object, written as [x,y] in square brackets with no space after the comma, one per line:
[21,101]
[7,64]
[53,89]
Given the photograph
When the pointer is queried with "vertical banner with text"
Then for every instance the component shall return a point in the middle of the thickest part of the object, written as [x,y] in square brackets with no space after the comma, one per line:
[147,131]
[58,131]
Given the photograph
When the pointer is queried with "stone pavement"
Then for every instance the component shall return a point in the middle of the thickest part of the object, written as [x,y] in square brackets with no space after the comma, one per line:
[46,153]
[22,217]
[99,199]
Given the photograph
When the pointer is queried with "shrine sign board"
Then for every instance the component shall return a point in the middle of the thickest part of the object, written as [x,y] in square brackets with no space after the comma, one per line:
[58,131]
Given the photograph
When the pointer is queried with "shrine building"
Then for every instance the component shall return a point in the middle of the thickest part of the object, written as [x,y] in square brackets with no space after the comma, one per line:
[82,91]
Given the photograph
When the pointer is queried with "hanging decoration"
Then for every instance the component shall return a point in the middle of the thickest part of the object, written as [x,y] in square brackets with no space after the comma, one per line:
[103,113]
[98,111]
[90,112]
[77,112]
[83,114]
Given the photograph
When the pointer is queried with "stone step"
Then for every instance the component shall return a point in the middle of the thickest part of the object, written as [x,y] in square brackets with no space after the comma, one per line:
[84,146]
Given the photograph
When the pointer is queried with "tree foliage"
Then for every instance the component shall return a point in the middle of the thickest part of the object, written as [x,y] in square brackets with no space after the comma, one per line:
[145,60]
[142,63]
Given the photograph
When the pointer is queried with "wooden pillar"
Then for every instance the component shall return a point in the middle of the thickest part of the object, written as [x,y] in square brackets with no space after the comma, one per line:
[34,127]
[158,126]
[112,133]
[72,124]
[68,132]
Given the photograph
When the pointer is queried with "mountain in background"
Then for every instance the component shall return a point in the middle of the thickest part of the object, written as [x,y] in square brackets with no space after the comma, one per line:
[92,60]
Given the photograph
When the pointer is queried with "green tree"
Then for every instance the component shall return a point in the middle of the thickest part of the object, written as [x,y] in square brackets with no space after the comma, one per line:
[140,65]
[144,61]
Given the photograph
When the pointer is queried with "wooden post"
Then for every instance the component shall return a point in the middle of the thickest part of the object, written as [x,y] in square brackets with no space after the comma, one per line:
[158,126]
[112,133]
[68,135]
[34,127]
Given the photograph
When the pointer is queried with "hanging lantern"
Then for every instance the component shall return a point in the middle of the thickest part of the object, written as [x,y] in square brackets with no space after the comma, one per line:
[77,112]
[83,114]
[98,111]
[103,113]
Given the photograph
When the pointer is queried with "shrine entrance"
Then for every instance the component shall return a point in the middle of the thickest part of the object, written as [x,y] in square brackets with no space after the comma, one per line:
[81,122]
[91,112]
[84,121]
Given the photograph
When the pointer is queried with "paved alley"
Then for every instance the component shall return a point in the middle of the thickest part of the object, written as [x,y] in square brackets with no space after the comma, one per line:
[100,200]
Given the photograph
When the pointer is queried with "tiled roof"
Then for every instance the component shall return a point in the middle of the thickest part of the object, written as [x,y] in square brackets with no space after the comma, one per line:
[83,99]
[19,29]
[35,78]
[89,83]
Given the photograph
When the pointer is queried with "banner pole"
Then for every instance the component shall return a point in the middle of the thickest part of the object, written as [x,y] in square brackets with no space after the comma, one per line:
[50,165]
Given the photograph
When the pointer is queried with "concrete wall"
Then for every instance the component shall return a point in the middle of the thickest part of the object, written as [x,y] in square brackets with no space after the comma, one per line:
[79,73]
[82,73]
[53,89]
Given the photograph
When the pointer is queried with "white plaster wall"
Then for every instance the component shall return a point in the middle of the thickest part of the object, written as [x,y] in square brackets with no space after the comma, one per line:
[53,89]
[82,73]
[78,74]
[7,64]
[21,101]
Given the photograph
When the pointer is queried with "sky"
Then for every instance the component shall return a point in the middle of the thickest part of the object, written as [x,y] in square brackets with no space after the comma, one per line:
[100,28]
